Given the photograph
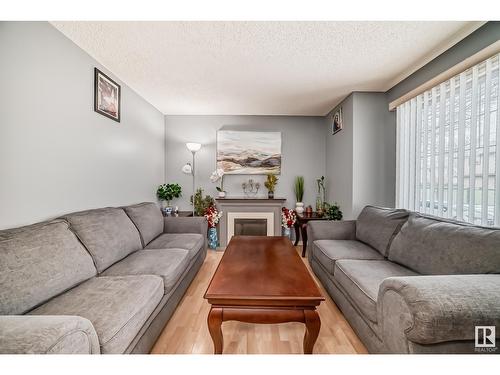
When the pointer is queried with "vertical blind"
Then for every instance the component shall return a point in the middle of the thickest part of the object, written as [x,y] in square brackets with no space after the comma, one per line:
[448,148]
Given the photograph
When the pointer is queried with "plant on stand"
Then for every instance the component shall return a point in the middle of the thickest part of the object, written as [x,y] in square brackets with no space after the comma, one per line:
[167,192]
[217,175]
[299,194]
[213,215]
[288,218]
[270,185]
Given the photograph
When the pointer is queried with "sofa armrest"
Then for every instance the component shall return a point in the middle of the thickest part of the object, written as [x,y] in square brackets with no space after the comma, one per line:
[434,309]
[37,334]
[186,225]
[329,230]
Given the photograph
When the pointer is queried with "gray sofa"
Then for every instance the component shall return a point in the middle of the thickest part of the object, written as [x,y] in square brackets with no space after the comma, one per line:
[410,283]
[97,281]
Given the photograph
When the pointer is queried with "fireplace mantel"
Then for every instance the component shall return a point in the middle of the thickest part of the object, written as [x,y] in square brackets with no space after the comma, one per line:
[241,205]
[246,200]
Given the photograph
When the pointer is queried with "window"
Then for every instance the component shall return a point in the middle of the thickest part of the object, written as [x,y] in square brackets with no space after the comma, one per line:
[448,148]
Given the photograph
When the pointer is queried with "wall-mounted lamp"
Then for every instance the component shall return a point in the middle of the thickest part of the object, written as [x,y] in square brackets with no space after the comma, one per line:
[188,168]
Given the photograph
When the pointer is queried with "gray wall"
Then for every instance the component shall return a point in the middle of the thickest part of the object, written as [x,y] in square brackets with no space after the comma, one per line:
[481,38]
[374,152]
[339,158]
[56,154]
[303,151]
[361,158]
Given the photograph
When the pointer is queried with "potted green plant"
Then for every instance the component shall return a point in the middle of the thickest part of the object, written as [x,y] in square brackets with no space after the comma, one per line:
[270,185]
[201,204]
[333,212]
[167,192]
[299,194]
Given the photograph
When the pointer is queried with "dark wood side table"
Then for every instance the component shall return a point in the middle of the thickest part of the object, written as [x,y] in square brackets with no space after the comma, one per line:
[301,227]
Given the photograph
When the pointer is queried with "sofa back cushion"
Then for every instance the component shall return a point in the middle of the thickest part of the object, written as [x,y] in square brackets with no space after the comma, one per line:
[148,219]
[38,262]
[433,246]
[377,226]
[107,233]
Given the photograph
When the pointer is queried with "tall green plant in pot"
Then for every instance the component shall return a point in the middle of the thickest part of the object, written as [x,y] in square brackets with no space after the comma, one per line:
[299,194]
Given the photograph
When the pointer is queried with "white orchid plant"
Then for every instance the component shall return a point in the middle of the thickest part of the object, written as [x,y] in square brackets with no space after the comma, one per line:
[217,175]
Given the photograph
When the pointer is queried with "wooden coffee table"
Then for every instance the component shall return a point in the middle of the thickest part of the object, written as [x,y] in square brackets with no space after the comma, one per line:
[263,280]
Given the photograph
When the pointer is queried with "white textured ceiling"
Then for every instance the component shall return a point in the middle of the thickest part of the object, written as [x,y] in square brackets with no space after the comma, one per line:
[261,68]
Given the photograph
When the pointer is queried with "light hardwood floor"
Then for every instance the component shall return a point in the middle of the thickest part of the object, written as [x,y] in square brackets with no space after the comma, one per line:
[187,332]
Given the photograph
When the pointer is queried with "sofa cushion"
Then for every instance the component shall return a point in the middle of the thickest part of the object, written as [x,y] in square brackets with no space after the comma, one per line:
[117,307]
[377,226]
[107,233]
[327,252]
[147,218]
[193,242]
[434,246]
[360,281]
[38,262]
[169,264]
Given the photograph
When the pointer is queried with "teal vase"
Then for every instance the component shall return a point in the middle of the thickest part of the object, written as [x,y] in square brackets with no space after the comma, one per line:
[213,240]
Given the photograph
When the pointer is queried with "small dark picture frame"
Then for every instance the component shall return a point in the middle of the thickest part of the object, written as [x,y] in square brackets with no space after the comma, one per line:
[107,95]
[337,121]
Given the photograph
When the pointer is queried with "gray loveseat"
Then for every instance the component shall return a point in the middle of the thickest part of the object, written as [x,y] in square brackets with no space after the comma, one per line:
[97,281]
[410,283]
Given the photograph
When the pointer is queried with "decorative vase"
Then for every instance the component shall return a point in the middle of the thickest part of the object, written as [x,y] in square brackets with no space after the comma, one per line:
[286,232]
[319,204]
[222,194]
[299,207]
[270,194]
[213,240]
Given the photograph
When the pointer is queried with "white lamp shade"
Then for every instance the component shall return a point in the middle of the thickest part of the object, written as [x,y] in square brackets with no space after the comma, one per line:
[193,147]
[187,169]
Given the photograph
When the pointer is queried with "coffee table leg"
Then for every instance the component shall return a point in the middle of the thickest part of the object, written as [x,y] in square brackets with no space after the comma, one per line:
[313,325]
[215,328]
[304,239]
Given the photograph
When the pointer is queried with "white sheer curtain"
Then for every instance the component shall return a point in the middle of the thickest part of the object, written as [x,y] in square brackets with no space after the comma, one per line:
[448,148]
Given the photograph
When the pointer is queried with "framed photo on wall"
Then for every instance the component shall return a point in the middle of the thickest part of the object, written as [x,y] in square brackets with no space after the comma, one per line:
[106,96]
[337,121]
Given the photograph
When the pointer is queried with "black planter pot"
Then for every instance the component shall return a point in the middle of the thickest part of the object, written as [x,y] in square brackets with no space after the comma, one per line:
[270,194]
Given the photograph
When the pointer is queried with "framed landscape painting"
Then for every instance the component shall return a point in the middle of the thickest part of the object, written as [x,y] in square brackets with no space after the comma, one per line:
[106,96]
[249,152]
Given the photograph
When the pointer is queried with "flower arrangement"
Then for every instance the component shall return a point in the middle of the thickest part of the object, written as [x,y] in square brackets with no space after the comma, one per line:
[217,175]
[288,217]
[213,215]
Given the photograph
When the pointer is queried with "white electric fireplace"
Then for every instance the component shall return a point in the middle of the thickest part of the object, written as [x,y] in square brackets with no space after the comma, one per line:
[250,224]
[249,217]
